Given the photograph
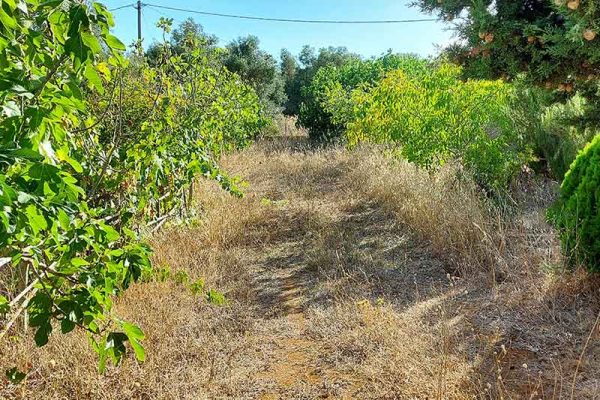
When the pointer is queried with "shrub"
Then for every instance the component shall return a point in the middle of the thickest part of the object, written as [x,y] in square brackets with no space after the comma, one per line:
[91,148]
[553,44]
[564,134]
[435,117]
[333,82]
[556,132]
[165,125]
[577,212]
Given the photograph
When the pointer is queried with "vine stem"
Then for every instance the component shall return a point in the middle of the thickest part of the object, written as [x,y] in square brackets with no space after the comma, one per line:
[26,314]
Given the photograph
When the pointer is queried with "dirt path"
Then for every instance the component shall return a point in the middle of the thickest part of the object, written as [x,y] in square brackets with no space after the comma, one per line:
[354,305]
[337,250]
[293,362]
[335,292]
[283,282]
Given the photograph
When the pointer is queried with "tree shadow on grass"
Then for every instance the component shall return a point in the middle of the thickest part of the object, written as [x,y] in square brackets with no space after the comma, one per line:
[362,254]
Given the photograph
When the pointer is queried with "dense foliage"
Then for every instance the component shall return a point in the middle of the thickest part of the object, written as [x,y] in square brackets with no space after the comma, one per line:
[334,83]
[169,123]
[577,213]
[553,42]
[299,74]
[78,258]
[242,56]
[92,147]
[188,36]
[564,134]
[258,69]
[434,117]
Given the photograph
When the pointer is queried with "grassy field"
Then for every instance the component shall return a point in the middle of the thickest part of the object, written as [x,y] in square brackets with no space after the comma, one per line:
[347,276]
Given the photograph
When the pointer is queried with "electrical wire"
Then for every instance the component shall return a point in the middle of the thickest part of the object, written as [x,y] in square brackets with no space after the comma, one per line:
[301,21]
[162,14]
[122,7]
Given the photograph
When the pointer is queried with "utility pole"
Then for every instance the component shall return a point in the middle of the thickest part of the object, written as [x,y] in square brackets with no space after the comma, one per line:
[139,15]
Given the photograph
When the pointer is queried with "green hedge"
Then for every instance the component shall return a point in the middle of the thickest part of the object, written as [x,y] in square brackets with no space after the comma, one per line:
[577,212]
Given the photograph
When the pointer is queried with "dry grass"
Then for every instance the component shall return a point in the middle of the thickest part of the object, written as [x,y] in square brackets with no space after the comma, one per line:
[448,213]
[348,276]
[386,354]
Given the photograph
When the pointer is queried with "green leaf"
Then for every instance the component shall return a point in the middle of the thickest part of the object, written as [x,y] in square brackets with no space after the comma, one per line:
[215,297]
[114,43]
[94,79]
[135,334]
[132,331]
[22,92]
[43,171]
[115,346]
[91,41]
[63,155]
[67,325]
[111,233]
[100,348]
[63,219]
[8,21]
[75,164]
[37,222]
[11,4]
[138,349]
[42,334]
[28,154]
[4,305]
[79,262]
[15,376]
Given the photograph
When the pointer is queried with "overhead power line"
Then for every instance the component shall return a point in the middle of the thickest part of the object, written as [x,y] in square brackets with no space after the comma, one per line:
[291,20]
[122,7]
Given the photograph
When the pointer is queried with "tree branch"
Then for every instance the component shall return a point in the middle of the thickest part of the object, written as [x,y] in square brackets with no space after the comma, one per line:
[15,316]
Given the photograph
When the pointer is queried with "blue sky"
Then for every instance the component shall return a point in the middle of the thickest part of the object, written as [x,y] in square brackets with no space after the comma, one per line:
[368,40]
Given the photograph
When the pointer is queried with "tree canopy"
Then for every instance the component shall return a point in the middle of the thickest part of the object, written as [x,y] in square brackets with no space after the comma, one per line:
[553,43]
[256,67]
